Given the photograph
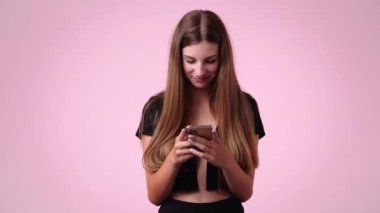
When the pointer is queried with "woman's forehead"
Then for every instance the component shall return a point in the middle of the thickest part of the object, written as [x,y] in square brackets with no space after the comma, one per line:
[203,49]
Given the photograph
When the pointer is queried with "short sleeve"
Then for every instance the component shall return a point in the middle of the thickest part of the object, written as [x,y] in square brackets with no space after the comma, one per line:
[150,116]
[259,127]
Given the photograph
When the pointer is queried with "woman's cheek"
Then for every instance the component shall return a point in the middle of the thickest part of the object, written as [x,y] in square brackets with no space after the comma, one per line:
[187,68]
[213,68]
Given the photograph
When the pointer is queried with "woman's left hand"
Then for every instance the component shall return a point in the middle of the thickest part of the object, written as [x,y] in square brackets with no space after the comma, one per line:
[211,150]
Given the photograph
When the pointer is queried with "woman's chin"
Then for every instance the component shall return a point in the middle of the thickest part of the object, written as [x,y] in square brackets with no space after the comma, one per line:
[200,85]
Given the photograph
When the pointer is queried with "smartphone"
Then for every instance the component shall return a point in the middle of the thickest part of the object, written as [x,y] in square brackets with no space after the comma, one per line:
[204,131]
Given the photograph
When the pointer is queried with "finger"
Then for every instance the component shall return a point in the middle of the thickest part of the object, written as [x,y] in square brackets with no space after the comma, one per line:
[182,135]
[182,144]
[198,139]
[186,157]
[200,154]
[215,136]
[200,146]
[197,153]
[183,152]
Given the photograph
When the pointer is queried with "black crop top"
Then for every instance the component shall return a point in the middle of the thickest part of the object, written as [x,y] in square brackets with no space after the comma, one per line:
[186,179]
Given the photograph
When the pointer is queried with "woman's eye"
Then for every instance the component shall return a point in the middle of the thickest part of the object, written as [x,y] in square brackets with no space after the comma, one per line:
[211,62]
[190,62]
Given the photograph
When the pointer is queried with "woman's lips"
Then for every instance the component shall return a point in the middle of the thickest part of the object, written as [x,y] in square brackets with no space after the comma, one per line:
[201,79]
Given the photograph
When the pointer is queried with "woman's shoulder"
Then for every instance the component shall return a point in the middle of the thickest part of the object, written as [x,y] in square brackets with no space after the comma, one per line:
[259,128]
[155,101]
[150,114]
[250,98]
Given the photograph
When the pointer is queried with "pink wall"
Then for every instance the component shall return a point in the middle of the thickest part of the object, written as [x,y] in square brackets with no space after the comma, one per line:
[75,75]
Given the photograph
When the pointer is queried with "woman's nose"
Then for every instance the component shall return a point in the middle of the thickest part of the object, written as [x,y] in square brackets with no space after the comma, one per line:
[200,68]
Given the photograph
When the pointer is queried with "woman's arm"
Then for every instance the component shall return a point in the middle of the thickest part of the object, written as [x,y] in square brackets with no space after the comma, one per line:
[160,183]
[239,182]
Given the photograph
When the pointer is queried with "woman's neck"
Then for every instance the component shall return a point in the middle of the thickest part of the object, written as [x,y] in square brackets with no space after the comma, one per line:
[198,109]
[200,95]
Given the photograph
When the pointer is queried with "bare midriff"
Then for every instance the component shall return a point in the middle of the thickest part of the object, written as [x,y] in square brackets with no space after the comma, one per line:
[200,196]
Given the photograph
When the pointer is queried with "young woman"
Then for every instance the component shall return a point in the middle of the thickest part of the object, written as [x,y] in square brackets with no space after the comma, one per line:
[186,172]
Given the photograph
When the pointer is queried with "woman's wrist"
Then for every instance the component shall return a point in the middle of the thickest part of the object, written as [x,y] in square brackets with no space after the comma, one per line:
[172,160]
[229,163]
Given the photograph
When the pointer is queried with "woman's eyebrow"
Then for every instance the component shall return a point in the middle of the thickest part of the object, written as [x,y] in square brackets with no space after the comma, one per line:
[208,57]
[211,56]
[188,57]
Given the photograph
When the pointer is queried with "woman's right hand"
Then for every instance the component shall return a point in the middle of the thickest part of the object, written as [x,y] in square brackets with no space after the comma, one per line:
[181,149]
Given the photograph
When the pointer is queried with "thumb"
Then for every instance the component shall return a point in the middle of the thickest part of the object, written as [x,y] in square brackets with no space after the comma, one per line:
[182,135]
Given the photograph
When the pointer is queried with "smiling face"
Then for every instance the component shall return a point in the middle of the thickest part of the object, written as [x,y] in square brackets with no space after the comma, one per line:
[201,63]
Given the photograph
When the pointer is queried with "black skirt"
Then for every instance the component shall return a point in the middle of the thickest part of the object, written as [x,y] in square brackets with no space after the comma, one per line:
[229,205]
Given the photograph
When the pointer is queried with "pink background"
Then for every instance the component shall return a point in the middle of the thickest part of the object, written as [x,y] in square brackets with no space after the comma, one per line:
[76,74]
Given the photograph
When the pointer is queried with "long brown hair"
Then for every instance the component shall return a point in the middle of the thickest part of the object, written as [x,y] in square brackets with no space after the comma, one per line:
[228,103]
